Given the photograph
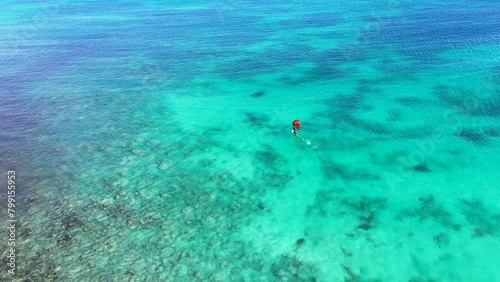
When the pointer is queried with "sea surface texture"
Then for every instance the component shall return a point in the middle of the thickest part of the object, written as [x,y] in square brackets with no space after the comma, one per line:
[152,141]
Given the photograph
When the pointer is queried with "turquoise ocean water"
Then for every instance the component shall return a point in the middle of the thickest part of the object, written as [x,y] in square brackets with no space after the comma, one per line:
[151,141]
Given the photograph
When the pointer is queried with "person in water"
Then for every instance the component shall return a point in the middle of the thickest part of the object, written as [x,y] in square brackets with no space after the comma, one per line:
[296,126]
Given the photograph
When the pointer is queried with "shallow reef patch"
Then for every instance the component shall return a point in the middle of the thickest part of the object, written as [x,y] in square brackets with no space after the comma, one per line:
[255,118]
[473,135]
[483,221]
[258,94]
[332,170]
[289,268]
[468,102]
[429,209]
[367,210]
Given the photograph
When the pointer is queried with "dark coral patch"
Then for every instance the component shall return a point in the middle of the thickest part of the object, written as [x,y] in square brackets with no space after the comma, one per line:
[487,108]
[442,239]
[366,222]
[323,71]
[473,136]
[484,221]
[300,242]
[449,95]
[65,240]
[364,88]
[420,168]
[289,268]
[367,209]
[334,170]
[492,132]
[257,118]
[72,221]
[258,94]
[269,157]
[345,102]
[468,102]
[430,210]
[366,205]
[351,275]
[369,126]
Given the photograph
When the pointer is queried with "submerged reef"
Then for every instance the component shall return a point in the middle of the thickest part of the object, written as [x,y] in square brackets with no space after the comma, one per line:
[72,221]
[422,167]
[367,210]
[429,209]
[270,168]
[332,170]
[492,132]
[345,102]
[329,203]
[289,268]
[442,239]
[474,136]
[155,216]
[258,94]
[483,221]
[258,119]
[342,111]
[469,102]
